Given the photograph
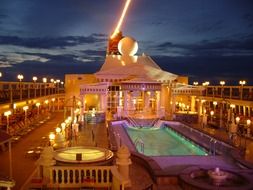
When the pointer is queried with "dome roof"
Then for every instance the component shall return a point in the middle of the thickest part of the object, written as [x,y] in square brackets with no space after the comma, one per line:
[128,46]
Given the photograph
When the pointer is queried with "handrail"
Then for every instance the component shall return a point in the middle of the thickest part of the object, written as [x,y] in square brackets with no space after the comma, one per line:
[133,122]
[137,141]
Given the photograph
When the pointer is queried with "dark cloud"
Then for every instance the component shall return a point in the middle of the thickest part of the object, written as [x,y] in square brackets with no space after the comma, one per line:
[249,18]
[208,47]
[50,42]
[56,67]
[101,53]
[211,68]
[208,27]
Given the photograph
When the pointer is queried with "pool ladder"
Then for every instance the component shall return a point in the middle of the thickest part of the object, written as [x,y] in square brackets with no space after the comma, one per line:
[139,141]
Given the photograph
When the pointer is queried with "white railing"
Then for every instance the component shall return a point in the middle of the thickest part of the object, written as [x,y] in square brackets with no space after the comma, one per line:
[75,176]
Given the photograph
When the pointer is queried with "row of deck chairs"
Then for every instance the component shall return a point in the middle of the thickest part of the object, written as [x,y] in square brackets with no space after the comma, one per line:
[20,128]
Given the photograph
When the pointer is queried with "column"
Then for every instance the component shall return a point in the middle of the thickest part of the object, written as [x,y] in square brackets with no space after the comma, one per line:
[11,93]
[173,106]
[101,107]
[146,101]
[47,160]
[221,114]
[193,103]
[82,108]
[123,161]
[125,102]
[158,103]
[244,110]
[200,110]
[105,101]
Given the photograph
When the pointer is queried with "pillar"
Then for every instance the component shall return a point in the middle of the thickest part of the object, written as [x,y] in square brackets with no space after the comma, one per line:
[58,103]
[123,161]
[105,101]
[193,103]
[158,102]
[101,107]
[200,110]
[125,103]
[173,107]
[221,114]
[146,101]
[244,110]
[46,160]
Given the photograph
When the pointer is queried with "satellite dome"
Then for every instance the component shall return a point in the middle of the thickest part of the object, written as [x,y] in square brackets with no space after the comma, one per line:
[128,46]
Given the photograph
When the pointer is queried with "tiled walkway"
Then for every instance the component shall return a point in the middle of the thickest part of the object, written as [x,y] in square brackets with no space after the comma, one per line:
[222,134]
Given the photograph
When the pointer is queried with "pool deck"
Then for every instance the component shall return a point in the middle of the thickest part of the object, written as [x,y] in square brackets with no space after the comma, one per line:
[23,165]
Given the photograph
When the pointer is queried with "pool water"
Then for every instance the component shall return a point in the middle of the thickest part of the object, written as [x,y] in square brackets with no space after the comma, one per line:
[162,142]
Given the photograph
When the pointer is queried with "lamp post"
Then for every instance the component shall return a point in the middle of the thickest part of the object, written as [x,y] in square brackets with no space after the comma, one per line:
[222,83]
[205,84]
[195,83]
[38,107]
[20,78]
[237,120]
[53,100]
[34,80]
[242,82]
[62,83]
[58,85]
[25,108]
[47,106]
[51,88]
[7,114]
[214,105]
[63,127]
[44,80]
[51,138]
[212,113]
[248,122]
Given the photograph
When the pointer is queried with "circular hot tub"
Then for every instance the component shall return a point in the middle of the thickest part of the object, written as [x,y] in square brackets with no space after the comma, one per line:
[199,178]
[84,155]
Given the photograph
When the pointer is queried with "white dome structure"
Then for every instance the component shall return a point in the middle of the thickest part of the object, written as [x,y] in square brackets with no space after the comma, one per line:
[128,46]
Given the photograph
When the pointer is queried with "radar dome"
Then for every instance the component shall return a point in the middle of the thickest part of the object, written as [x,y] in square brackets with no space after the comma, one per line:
[128,46]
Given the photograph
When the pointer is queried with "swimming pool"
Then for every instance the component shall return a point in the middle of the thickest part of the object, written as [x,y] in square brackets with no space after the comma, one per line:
[163,142]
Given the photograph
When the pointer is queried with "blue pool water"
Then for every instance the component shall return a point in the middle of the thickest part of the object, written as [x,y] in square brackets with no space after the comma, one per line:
[162,142]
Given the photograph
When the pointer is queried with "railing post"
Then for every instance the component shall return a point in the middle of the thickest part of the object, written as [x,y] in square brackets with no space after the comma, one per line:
[11,93]
[28,89]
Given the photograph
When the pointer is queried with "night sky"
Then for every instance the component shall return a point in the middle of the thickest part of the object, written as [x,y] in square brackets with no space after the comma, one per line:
[203,39]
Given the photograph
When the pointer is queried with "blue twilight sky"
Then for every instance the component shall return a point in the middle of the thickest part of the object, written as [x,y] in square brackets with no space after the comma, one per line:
[203,39]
